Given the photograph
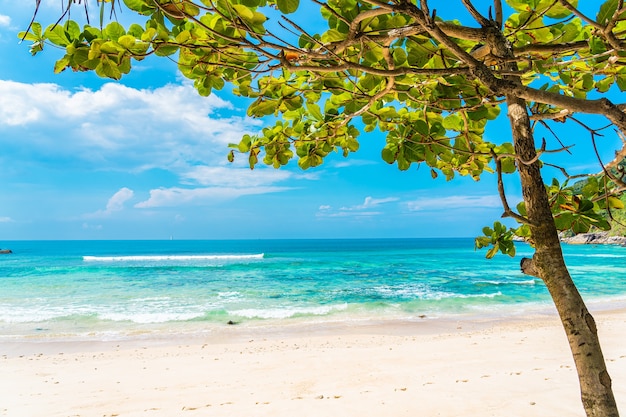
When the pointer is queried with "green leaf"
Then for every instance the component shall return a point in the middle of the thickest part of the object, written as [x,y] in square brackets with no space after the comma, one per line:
[388,155]
[244,145]
[107,68]
[557,11]
[287,6]
[61,64]
[27,36]
[141,6]
[454,121]
[72,30]
[56,34]
[399,57]
[262,108]
[165,50]
[615,203]
[508,165]
[244,12]
[113,31]
[581,225]
[564,221]
[606,12]
[554,9]
[604,84]
[590,188]
[585,205]
[36,29]
[314,111]
[421,127]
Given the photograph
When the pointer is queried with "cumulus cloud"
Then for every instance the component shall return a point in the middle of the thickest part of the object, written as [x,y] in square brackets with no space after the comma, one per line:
[115,203]
[5,21]
[122,127]
[118,128]
[454,202]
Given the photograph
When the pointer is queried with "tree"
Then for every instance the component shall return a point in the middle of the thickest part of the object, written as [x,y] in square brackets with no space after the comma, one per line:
[430,85]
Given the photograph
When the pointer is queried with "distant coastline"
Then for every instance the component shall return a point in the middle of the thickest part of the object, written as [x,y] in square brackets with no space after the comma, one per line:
[596,238]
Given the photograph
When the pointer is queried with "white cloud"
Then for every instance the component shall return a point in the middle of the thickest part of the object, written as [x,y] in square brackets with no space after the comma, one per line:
[176,196]
[370,202]
[454,202]
[87,226]
[359,210]
[119,128]
[349,214]
[235,177]
[6,220]
[115,203]
[352,163]
[5,21]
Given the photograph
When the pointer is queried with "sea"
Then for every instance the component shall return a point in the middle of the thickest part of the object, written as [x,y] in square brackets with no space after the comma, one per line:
[111,289]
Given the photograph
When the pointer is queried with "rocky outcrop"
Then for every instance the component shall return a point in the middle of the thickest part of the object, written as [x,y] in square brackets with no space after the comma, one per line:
[597,238]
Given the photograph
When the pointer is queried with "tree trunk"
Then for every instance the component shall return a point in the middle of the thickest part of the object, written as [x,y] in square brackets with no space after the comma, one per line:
[549,265]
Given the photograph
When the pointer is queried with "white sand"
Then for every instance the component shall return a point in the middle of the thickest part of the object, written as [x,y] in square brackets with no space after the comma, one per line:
[422,368]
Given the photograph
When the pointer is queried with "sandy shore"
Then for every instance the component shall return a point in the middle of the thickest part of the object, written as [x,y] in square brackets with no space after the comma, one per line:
[421,368]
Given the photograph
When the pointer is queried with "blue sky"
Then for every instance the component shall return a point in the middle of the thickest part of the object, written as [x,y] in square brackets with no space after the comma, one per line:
[145,158]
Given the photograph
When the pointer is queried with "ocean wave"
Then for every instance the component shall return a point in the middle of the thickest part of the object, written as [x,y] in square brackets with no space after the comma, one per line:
[491,295]
[42,315]
[142,258]
[149,318]
[594,255]
[422,292]
[494,282]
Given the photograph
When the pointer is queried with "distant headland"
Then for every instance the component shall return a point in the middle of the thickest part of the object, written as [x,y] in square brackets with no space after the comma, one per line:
[595,238]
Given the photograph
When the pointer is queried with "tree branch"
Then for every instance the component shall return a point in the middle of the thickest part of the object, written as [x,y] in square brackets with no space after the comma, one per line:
[482,20]
[527,265]
[602,106]
[498,6]
[505,204]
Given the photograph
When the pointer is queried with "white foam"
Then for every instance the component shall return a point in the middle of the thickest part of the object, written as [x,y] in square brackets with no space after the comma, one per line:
[148,318]
[525,282]
[143,258]
[283,313]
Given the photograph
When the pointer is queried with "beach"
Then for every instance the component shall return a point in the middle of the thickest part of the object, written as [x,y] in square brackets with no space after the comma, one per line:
[464,367]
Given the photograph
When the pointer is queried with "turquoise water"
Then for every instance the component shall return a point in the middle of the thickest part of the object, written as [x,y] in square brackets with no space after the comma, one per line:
[101,288]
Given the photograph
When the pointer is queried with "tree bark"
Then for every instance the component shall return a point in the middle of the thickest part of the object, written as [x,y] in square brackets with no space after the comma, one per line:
[549,265]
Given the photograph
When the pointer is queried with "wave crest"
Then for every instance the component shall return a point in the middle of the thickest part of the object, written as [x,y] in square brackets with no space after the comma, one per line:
[150,258]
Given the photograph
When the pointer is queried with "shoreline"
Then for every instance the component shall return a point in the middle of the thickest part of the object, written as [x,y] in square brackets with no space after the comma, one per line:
[518,366]
[73,331]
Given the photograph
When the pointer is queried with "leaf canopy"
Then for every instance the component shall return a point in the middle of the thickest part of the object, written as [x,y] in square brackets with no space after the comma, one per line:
[430,86]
